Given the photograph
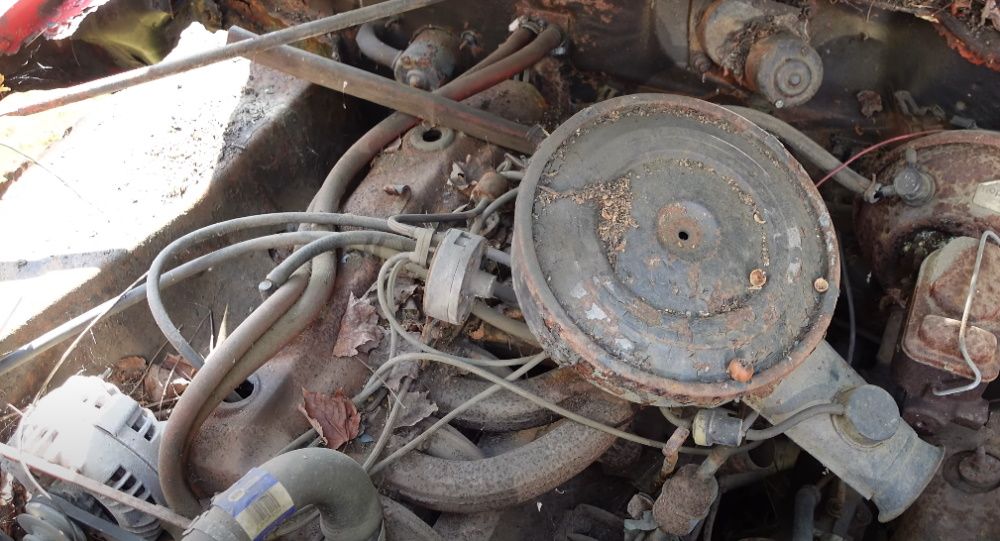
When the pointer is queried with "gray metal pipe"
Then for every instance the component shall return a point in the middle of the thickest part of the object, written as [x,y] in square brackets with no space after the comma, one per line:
[359,83]
[330,481]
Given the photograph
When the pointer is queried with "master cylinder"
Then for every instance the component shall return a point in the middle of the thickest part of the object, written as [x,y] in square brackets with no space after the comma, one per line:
[676,254]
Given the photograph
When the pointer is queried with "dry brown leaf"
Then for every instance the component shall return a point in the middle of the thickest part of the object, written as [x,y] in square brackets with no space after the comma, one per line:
[179,365]
[334,417]
[416,407]
[130,368]
[404,290]
[991,12]
[168,379]
[359,330]
[405,369]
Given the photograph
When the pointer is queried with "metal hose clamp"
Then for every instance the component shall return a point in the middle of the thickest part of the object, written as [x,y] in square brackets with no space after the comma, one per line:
[988,234]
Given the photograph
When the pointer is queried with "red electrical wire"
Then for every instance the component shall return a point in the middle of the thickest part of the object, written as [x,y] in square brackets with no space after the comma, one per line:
[876,146]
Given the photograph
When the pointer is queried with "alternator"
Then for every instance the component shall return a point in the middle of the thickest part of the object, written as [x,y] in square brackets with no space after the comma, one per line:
[89,426]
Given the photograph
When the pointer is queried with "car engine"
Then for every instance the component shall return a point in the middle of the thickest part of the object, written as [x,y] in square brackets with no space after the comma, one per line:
[508,270]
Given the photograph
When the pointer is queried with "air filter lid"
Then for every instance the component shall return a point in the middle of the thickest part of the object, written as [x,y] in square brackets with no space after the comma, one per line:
[672,250]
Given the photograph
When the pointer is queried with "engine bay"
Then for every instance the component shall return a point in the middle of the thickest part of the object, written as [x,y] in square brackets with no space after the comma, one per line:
[581,271]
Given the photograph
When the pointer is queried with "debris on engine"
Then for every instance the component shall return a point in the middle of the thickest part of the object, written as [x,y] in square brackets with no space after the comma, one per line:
[719,270]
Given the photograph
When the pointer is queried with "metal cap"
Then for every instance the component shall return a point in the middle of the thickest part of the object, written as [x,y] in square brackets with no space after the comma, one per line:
[870,414]
[784,69]
[671,246]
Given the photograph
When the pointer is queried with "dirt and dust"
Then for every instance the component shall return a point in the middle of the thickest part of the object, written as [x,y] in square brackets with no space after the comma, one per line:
[13,496]
[614,201]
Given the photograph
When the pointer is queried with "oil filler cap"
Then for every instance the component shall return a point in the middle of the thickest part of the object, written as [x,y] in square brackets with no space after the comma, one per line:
[671,249]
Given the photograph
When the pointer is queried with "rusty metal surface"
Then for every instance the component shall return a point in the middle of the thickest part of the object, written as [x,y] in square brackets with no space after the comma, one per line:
[432,107]
[929,357]
[685,500]
[931,333]
[928,413]
[977,43]
[951,507]
[240,436]
[658,191]
[760,43]
[429,60]
[727,29]
[896,237]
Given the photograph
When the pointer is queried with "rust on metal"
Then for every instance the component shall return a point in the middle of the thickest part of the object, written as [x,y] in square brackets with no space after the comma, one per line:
[641,319]
[671,452]
[931,333]
[896,237]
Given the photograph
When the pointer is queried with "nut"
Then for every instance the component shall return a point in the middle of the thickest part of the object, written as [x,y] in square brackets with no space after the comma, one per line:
[821,285]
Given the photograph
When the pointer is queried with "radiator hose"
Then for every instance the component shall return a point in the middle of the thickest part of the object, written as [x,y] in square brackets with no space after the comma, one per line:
[266,496]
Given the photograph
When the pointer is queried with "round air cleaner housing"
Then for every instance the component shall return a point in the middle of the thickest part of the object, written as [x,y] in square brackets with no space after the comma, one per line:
[673,251]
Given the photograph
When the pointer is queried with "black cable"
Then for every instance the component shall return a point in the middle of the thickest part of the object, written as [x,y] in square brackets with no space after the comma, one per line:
[443,217]
[33,349]
[796,418]
[805,148]
[155,298]
[284,270]
[853,322]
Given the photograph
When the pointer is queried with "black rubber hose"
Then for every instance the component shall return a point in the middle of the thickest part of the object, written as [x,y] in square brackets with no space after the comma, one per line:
[402,525]
[282,271]
[796,418]
[332,482]
[513,327]
[804,522]
[506,411]
[56,336]
[254,350]
[805,148]
[514,477]
[209,387]
[155,298]
[374,48]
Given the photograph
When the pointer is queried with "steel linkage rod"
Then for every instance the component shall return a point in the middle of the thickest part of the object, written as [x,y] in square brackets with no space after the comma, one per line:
[128,79]
[434,108]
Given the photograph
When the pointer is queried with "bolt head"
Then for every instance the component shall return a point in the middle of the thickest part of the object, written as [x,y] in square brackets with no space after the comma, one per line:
[821,285]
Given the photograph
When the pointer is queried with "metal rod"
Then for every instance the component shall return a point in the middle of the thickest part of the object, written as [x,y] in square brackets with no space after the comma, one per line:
[359,83]
[90,485]
[964,326]
[128,79]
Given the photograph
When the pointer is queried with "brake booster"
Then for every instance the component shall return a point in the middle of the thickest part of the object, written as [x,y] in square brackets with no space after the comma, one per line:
[676,254]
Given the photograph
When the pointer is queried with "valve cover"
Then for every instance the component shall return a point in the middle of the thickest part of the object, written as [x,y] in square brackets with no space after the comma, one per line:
[673,250]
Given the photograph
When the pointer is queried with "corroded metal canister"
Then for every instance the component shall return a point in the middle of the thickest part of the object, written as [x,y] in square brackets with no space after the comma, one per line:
[669,248]
[963,166]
